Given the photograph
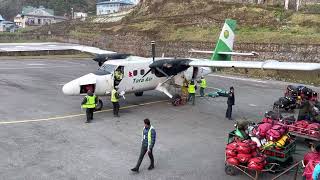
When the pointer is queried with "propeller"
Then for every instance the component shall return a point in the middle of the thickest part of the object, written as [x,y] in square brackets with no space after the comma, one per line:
[153,51]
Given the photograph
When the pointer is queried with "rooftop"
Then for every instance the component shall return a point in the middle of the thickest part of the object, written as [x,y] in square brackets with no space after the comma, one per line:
[128,2]
[41,11]
[1,18]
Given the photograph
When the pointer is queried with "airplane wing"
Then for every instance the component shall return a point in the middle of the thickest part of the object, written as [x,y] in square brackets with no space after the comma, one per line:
[50,46]
[269,64]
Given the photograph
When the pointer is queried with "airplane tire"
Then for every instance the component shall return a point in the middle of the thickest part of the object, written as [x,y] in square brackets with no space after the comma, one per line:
[138,93]
[99,105]
[100,64]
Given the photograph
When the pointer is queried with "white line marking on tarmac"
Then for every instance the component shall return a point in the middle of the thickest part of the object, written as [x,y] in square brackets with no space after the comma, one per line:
[19,46]
[76,115]
[253,105]
[52,45]
[237,78]
[34,67]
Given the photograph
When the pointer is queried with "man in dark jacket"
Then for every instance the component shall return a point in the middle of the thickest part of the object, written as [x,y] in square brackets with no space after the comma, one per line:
[230,103]
[148,141]
[89,103]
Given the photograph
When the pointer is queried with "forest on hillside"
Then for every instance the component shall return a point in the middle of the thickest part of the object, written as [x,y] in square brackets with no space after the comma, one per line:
[10,8]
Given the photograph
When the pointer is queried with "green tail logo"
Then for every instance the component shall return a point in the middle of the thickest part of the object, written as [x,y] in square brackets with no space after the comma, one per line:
[225,41]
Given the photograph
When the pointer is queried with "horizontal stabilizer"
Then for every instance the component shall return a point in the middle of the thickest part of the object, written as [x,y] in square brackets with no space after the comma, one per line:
[225,53]
[239,54]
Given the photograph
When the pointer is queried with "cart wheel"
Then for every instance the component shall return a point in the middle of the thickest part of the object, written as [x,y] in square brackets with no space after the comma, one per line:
[230,170]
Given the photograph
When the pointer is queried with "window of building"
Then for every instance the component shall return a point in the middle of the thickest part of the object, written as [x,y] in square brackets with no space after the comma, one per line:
[142,72]
[135,72]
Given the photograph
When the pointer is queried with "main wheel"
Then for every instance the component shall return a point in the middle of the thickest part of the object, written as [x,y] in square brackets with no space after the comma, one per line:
[138,93]
[99,105]
[230,170]
[176,100]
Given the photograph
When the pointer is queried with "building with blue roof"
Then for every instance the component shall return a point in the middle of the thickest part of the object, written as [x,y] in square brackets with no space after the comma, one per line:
[113,6]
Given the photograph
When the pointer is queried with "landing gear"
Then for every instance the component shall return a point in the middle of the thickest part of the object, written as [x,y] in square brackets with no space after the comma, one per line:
[99,105]
[138,93]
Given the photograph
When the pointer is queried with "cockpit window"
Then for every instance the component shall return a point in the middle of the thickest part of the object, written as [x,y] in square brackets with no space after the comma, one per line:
[106,69]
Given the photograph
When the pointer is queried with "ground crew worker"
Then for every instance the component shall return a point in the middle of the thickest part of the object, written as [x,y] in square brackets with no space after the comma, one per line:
[203,86]
[230,103]
[89,103]
[115,101]
[148,141]
[192,92]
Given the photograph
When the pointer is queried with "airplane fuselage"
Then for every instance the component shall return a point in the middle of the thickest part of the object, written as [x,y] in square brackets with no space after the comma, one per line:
[134,79]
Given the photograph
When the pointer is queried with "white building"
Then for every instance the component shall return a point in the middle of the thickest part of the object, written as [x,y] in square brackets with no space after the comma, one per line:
[112,6]
[80,15]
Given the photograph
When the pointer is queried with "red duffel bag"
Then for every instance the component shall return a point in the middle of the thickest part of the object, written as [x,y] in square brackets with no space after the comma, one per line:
[244,158]
[232,146]
[302,124]
[243,148]
[273,135]
[263,129]
[257,163]
[267,120]
[314,126]
[231,153]
[232,161]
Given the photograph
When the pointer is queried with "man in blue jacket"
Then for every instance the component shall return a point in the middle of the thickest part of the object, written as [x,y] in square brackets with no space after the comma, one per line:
[316,172]
[148,141]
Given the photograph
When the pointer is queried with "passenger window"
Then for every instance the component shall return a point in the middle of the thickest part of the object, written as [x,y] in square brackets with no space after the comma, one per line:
[135,72]
[142,71]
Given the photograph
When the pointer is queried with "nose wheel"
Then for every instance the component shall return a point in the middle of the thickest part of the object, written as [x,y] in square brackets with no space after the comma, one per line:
[99,105]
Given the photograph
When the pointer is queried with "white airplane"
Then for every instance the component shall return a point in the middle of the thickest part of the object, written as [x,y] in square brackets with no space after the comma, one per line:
[142,74]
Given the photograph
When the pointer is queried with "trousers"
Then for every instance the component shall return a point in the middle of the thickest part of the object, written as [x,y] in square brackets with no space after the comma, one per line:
[229,112]
[116,107]
[143,151]
[89,113]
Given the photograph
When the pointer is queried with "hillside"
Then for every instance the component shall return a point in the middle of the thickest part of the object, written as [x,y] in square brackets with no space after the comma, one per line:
[201,20]
[10,8]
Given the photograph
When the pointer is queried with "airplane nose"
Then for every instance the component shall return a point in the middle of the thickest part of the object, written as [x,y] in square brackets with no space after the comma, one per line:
[71,88]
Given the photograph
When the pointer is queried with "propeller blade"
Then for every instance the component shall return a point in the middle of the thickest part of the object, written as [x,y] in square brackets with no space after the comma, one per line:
[160,70]
[147,73]
[153,45]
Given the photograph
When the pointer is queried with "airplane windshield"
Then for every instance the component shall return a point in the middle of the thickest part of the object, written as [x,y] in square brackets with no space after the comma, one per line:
[106,69]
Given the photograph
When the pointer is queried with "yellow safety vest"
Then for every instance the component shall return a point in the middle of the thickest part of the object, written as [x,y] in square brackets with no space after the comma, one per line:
[113,96]
[90,102]
[191,89]
[203,83]
[149,135]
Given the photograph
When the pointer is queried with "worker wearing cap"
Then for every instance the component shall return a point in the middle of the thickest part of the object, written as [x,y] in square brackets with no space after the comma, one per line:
[115,101]
[118,75]
[203,85]
[192,92]
[89,103]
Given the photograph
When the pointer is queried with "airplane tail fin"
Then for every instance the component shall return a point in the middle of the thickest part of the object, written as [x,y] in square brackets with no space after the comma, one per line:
[225,41]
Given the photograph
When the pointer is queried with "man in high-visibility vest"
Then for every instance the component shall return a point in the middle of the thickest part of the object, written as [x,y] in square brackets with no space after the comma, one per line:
[148,141]
[203,85]
[192,92]
[89,103]
[115,101]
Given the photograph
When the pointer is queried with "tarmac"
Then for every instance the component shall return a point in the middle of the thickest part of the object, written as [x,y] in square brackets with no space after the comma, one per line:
[43,134]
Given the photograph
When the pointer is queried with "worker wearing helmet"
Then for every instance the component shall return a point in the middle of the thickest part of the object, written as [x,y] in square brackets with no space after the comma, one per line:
[89,103]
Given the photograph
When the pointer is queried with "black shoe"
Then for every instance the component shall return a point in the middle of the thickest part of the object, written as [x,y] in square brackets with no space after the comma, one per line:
[135,169]
[88,121]
[116,116]
[150,167]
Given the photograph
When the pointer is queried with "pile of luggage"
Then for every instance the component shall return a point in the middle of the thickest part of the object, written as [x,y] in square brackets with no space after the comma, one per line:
[305,127]
[304,92]
[245,153]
